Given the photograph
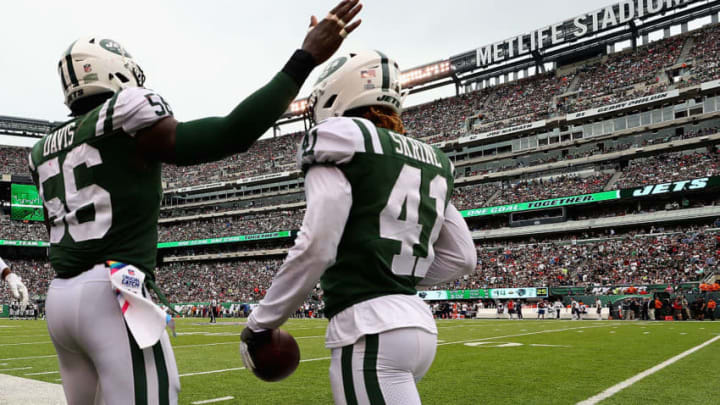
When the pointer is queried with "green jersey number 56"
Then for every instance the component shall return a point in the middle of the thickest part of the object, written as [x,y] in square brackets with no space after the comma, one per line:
[63,209]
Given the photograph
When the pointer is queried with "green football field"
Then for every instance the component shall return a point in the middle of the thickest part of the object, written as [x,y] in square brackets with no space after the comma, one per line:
[477,362]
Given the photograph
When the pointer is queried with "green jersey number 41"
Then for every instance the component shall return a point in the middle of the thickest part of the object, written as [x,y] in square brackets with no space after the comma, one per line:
[406,193]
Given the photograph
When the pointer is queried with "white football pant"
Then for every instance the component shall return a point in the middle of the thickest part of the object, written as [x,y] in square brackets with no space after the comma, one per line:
[382,368]
[100,362]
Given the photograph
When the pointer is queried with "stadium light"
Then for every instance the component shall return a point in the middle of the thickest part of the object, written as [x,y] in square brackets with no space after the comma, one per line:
[298,106]
[425,73]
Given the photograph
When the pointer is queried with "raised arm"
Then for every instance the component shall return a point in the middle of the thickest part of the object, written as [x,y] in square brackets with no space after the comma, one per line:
[213,138]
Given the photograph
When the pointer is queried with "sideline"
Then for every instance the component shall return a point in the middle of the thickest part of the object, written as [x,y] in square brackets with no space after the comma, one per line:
[17,390]
[632,380]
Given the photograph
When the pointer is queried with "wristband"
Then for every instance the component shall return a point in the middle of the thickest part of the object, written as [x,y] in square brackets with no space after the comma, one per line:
[299,66]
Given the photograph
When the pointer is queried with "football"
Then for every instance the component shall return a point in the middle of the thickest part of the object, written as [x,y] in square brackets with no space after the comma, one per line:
[278,359]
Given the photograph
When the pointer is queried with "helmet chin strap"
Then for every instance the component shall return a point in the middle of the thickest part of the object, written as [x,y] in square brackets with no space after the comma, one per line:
[309,115]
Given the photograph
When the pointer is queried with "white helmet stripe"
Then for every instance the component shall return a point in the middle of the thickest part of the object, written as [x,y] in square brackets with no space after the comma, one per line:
[62,75]
[385,71]
[71,70]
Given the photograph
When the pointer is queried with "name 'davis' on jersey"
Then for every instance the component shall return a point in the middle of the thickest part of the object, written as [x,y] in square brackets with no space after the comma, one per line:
[696,184]
[415,149]
[59,140]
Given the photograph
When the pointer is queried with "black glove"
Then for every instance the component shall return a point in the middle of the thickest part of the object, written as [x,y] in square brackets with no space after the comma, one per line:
[250,343]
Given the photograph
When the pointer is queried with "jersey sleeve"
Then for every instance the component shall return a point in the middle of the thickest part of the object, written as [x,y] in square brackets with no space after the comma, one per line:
[337,140]
[131,110]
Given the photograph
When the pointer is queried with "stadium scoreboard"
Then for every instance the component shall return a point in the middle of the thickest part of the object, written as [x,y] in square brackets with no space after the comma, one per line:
[25,203]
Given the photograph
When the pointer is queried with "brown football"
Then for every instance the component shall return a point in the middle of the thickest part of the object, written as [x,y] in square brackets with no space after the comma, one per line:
[279,359]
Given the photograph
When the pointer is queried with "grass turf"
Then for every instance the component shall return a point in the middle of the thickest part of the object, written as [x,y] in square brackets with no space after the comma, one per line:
[477,361]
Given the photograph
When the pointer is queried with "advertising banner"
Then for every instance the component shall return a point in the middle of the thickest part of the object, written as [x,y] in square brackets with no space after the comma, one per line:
[227,239]
[483,293]
[674,187]
[31,243]
[507,293]
[534,205]
[625,104]
[502,131]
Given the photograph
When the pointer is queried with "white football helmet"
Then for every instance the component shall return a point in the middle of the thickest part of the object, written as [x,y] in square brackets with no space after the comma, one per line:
[357,79]
[94,65]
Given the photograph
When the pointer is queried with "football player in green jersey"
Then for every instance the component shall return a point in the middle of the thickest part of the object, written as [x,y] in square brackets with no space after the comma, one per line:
[379,222]
[99,178]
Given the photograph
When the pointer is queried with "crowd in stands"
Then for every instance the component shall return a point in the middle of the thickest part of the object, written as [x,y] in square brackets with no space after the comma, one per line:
[266,156]
[238,281]
[444,118]
[14,160]
[231,226]
[704,57]
[553,187]
[474,196]
[21,230]
[608,82]
[522,101]
[669,167]
[247,203]
[655,255]
[632,258]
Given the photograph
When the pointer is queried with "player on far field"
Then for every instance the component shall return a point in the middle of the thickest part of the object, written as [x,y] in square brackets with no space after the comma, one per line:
[15,284]
[99,177]
[379,222]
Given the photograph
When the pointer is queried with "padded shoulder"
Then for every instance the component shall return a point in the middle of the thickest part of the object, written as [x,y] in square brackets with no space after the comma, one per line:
[336,140]
[131,109]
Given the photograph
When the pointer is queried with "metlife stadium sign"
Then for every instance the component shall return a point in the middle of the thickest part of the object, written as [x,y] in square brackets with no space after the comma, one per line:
[564,32]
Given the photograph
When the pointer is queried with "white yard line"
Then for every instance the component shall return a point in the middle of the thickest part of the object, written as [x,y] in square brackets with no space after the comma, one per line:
[3,337]
[242,368]
[520,334]
[44,372]
[27,343]
[632,380]
[210,401]
[29,357]
[12,369]
[237,342]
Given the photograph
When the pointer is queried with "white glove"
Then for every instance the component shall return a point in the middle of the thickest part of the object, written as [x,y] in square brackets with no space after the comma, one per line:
[17,288]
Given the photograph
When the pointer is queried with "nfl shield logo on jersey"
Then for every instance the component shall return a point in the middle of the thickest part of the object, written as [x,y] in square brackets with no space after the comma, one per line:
[87,68]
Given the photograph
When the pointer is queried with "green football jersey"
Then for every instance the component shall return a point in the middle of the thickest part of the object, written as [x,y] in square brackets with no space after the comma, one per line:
[101,197]
[400,190]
